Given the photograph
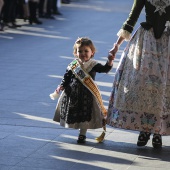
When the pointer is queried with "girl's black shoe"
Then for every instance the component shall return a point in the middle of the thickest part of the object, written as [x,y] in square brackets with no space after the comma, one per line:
[143,138]
[157,141]
[81,139]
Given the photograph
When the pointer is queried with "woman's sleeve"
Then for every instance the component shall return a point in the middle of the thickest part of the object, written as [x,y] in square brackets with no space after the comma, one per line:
[129,24]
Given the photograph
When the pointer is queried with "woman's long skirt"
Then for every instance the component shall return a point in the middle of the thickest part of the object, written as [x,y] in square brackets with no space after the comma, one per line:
[140,98]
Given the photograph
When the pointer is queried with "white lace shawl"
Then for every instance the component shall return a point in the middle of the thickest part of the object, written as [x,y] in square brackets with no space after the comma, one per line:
[160,5]
[87,66]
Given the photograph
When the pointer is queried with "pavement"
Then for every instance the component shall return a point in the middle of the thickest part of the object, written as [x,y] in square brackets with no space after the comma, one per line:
[33,59]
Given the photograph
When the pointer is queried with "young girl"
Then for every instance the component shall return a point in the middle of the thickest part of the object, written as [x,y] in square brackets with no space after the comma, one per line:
[80,105]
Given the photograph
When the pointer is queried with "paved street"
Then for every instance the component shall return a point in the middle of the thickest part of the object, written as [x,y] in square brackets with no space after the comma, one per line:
[33,59]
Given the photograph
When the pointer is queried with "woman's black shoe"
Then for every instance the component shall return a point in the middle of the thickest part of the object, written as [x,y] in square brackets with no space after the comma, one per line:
[57,13]
[143,138]
[65,1]
[2,26]
[15,25]
[81,139]
[36,21]
[157,141]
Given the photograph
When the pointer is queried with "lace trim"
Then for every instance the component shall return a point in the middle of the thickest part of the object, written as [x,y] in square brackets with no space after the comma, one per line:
[125,34]
[88,65]
[160,5]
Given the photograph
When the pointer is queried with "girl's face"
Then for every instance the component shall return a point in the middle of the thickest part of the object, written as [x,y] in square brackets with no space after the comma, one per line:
[84,53]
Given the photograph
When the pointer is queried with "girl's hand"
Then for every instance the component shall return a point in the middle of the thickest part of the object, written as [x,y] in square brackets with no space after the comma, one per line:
[114,50]
[59,88]
[111,57]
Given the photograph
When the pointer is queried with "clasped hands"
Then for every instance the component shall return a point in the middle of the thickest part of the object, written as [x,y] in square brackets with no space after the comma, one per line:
[113,51]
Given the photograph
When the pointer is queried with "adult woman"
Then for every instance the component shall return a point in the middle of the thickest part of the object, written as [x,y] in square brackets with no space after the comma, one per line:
[140,99]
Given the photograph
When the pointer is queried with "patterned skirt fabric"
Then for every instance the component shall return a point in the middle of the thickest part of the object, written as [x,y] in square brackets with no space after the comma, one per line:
[140,98]
[77,108]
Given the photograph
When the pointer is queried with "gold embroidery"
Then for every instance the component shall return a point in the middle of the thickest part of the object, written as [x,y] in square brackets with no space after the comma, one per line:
[88,82]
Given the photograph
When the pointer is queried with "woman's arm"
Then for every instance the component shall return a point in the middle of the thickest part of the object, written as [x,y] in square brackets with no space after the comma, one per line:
[127,28]
[133,15]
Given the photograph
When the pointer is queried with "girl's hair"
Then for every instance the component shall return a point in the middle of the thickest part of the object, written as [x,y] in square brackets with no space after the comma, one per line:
[83,41]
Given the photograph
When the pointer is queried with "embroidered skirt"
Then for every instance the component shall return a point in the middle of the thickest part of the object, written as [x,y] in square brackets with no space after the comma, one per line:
[140,98]
[77,108]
